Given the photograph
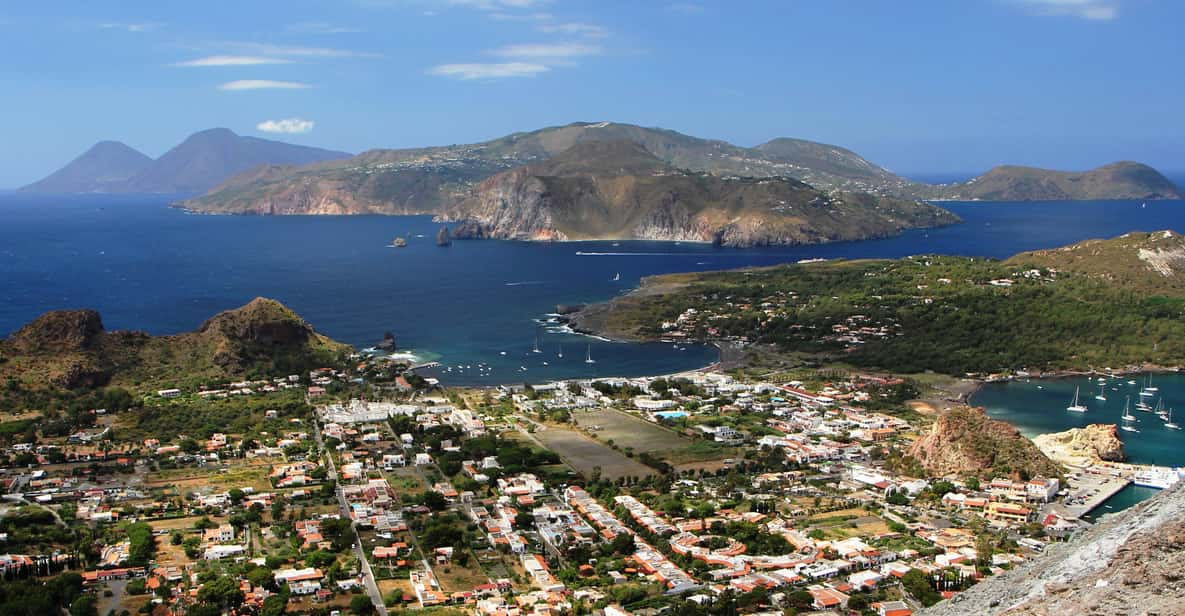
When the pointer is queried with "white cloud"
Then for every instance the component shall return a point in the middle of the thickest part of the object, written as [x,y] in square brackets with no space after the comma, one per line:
[290,51]
[317,27]
[262,84]
[233,61]
[500,16]
[687,8]
[494,5]
[576,29]
[1093,10]
[287,126]
[547,51]
[488,71]
[129,27]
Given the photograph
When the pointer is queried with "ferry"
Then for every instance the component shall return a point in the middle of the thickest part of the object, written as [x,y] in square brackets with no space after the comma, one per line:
[1157,477]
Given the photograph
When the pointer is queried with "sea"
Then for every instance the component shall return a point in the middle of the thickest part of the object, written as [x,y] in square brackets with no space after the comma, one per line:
[1037,406]
[476,307]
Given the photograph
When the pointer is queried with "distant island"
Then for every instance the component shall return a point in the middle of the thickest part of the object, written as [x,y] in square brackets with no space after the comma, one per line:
[1096,304]
[619,190]
[430,180]
[201,162]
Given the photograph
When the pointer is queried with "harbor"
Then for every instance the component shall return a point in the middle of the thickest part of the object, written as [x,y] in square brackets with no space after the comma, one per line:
[1090,487]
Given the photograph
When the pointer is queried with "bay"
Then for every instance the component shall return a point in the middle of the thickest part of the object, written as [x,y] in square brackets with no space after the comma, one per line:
[146,266]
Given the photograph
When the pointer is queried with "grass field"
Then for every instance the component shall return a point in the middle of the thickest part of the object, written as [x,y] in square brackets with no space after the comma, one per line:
[211,480]
[627,431]
[584,454]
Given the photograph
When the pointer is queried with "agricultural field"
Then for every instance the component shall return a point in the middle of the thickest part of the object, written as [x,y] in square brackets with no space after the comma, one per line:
[627,431]
[585,454]
[212,479]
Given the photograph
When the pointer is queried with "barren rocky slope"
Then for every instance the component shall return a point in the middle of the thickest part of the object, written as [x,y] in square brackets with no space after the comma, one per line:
[964,440]
[1130,563]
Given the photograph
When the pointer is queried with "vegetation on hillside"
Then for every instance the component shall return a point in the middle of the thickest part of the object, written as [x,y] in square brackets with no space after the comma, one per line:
[947,314]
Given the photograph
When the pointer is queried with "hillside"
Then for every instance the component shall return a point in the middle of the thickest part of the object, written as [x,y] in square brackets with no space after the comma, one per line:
[1145,262]
[964,441]
[71,349]
[619,190]
[1127,563]
[102,168]
[199,163]
[953,315]
[1121,180]
[422,180]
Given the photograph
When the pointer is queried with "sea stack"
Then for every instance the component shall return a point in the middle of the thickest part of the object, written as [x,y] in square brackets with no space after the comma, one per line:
[442,237]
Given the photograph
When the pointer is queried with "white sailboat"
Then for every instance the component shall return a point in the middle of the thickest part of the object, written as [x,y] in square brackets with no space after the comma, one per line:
[617,277]
[1160,412]
[1101,395]
[1149,391]
[588,358]
[1169,424]
[1076,407]
[535,349]
[1127,417]
[561,353]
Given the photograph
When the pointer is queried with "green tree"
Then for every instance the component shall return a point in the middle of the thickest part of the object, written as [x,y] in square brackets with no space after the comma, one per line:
[360,605]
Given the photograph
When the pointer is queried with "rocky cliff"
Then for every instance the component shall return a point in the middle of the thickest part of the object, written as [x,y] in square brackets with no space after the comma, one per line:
[964,441]
[71,349]
[619,190]
[1128,563]
[1083,446]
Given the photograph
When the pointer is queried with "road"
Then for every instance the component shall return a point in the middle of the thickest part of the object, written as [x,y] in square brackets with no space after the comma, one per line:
[372,588]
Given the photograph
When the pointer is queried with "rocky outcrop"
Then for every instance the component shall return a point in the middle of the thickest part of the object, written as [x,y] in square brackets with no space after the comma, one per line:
[1128,563]
[1145,262]
[70,349]
[60,331]
[1083,446]
[619,190]
[964,441]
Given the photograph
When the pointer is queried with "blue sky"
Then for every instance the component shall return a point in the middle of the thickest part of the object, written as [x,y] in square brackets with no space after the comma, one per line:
[918,86]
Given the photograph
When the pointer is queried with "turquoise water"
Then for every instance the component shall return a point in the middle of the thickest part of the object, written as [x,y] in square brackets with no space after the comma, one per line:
[479,304]
[1039,407]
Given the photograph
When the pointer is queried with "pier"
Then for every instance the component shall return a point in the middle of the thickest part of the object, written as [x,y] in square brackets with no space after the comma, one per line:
[1094,487]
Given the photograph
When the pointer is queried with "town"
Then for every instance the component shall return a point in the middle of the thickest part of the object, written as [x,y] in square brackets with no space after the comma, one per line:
[701,492]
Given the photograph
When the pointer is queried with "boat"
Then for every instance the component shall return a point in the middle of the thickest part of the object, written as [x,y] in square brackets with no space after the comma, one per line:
[1156,477]
[1169,423]
[1101,395]
[1127,415]
[561,353]
[535,349]
[1076,407]
[1149,391]
[399,242]
[1159,410]
[617,277]
[1143,406]
[588,358]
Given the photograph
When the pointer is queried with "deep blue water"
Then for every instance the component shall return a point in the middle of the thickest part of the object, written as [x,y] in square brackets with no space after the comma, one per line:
[1038,407]
[146,266]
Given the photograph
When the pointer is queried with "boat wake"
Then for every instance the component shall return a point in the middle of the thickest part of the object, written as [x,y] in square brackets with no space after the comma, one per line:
[525,282]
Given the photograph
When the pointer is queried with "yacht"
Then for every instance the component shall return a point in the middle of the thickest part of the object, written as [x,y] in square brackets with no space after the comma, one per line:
[588,358]
[1101,395]
[1149,391]
[1169,423]
[535,349]
[617,277]
[1076,407]
[561,353]
[1127,417]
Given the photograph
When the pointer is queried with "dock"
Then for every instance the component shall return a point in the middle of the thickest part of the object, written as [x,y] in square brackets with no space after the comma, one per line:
[1095,489]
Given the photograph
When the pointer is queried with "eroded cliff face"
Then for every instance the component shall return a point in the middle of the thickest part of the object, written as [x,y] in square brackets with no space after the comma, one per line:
[514,206]
[964,440]
[1082,446]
